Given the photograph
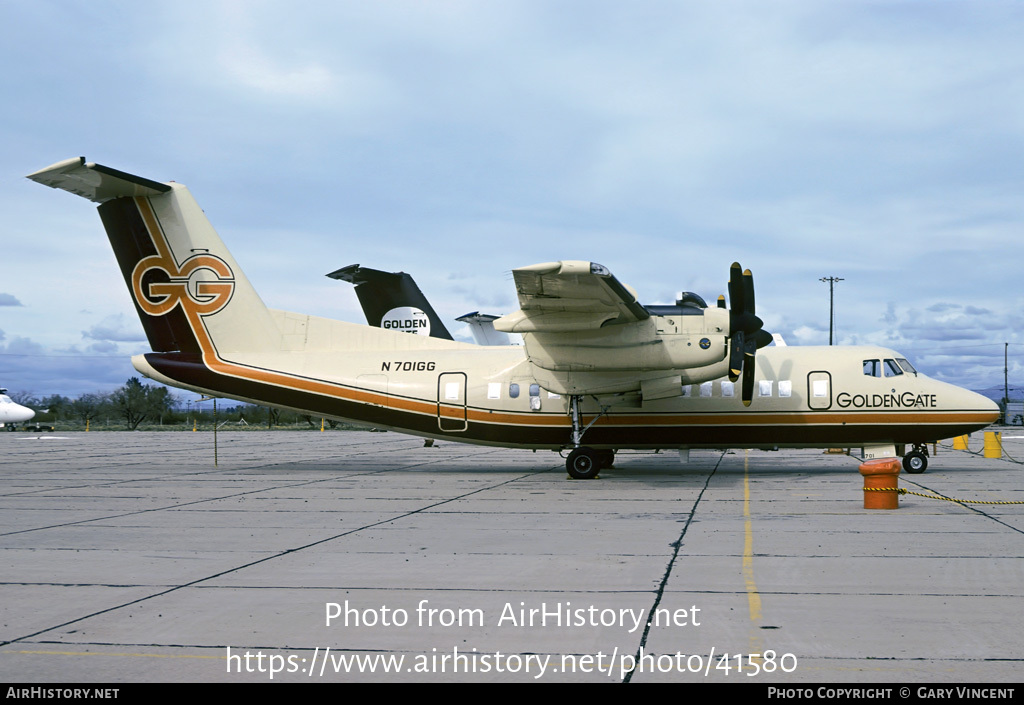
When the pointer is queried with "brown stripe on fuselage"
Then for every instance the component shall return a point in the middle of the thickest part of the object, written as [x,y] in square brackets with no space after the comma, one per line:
[548,430]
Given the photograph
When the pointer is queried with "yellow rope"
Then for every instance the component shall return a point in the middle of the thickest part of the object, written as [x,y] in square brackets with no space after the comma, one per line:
[900,490]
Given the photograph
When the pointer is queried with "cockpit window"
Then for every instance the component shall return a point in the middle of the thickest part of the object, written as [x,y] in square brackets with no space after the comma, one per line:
[872,368]
[905,364]
[892,369]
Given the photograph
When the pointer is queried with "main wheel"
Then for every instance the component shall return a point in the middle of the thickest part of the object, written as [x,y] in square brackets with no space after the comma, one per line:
[915,462]
[583,464]
[606,458]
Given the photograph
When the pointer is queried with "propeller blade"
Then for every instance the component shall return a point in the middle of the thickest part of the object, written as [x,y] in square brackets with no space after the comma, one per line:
[736,356]
[748,292]
[745,328]
[736,288]
[748,379]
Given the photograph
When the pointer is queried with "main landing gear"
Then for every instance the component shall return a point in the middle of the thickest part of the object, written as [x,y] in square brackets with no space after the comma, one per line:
[916,461]
[584,463]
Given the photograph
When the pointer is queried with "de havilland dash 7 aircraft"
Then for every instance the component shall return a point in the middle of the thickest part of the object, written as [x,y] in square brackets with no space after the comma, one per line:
[597,372]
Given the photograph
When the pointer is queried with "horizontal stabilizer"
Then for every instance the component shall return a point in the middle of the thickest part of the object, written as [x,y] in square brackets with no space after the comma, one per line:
[96,182]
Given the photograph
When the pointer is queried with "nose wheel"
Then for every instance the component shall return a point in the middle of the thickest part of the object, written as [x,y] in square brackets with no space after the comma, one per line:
[916,461]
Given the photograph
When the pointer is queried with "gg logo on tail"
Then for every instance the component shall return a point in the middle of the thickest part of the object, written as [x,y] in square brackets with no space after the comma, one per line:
[202,284]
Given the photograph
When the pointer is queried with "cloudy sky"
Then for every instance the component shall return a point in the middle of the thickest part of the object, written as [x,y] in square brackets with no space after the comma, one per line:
[881,142]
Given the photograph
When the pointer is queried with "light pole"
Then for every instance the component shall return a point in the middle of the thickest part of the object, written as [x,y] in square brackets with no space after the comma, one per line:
[831,303]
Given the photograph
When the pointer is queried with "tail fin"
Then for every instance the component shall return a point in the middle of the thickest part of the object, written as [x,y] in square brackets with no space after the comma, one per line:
[481,325]
[392,300]
[189,292]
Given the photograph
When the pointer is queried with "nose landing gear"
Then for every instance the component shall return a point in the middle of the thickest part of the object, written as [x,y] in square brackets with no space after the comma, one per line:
[916,461]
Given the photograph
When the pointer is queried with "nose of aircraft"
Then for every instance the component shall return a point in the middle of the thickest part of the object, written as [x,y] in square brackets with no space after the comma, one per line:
[989,412]
[19,413]
[14,413]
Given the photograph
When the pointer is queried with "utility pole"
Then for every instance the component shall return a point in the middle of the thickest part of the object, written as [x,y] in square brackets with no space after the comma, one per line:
[1006,386]
[831,304]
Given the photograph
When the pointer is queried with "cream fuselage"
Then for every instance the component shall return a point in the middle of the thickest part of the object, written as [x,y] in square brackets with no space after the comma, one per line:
[803,397]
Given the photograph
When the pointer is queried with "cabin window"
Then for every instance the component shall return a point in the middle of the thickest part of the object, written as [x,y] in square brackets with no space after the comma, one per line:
[535,397]
[705,389]
[687,390]
[728,389]
[513,391]
[819,388]
[785,388]
[905,364]
[494,390]
[765,388]
[552,395]
[892,369]
[872,368]
[451,391]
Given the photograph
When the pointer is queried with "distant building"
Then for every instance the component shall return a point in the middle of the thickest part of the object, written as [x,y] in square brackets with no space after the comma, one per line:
[1015,413]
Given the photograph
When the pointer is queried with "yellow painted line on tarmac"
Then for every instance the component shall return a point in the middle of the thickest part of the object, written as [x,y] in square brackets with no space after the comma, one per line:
[753,596]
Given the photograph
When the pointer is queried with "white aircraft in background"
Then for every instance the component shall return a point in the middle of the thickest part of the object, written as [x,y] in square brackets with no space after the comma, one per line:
[11,414]
[597,370]
[481,325]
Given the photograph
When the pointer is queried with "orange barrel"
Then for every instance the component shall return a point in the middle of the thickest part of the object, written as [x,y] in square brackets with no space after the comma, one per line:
[880,474]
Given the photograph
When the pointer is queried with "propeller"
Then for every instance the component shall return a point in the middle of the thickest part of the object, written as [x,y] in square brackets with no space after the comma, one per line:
[745,328]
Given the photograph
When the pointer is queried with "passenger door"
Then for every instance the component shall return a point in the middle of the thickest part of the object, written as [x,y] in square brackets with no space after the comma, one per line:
[451,402]
[819,390]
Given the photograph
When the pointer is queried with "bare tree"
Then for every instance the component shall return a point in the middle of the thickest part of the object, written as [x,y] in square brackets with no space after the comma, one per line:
[88,406]
[136,402]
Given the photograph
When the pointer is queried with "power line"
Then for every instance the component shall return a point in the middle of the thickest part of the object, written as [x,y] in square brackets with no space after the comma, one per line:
[831,304]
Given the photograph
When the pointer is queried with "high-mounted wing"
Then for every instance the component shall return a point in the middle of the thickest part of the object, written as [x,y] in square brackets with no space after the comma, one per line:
[586,333]
[570,296]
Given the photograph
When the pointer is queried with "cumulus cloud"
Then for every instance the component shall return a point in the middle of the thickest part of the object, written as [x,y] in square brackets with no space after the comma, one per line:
[116,328]
[103,347]
[20,345]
